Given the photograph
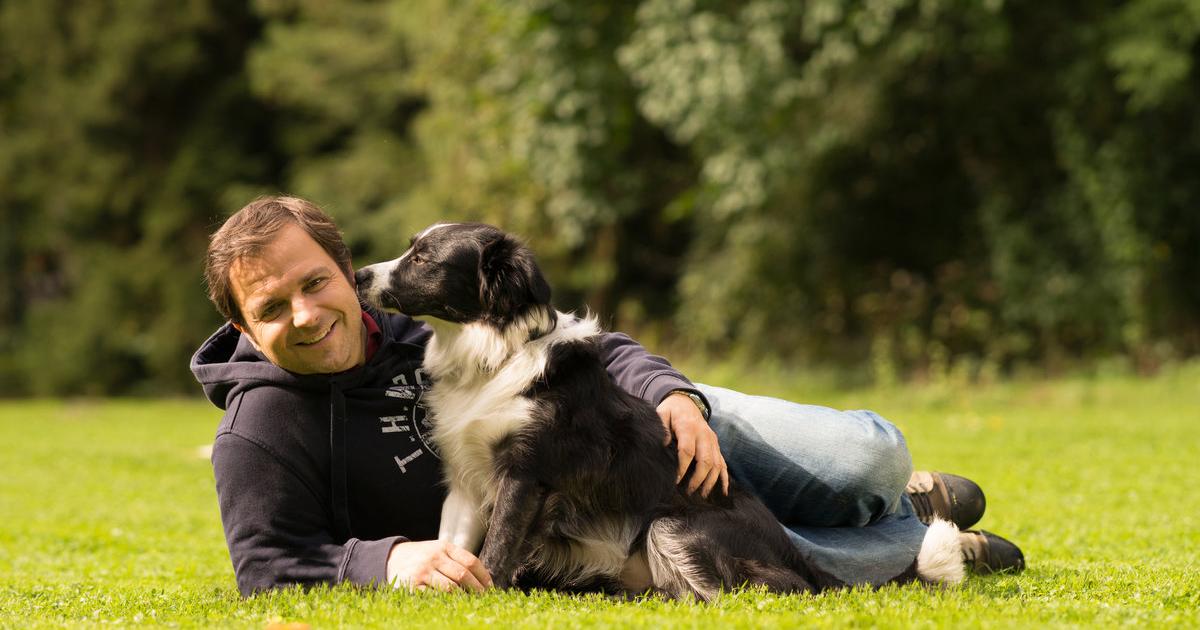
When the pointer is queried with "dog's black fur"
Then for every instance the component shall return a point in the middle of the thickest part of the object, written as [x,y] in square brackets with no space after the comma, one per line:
[590,452]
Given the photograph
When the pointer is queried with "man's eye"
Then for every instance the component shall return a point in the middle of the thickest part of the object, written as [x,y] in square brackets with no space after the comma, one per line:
[316,283]
[268,313]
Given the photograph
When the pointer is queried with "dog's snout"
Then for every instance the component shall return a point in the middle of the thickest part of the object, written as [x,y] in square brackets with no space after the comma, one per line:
[363,277]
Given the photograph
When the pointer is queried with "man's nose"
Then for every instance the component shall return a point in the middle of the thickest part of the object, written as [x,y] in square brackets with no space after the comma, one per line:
[304,312]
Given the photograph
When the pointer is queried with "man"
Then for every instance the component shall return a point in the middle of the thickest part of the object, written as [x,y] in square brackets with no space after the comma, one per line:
[325,472]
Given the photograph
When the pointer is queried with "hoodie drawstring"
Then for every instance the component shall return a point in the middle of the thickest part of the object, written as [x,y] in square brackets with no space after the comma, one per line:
[337,464]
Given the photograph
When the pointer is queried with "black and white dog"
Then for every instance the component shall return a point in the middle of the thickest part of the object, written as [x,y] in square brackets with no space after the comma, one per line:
[564,471]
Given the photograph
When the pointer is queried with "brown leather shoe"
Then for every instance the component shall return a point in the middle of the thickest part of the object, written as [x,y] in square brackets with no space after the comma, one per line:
[984,553]
[945,496]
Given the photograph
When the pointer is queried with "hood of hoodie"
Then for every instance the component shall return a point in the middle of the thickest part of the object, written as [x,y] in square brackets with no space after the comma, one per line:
[227,364]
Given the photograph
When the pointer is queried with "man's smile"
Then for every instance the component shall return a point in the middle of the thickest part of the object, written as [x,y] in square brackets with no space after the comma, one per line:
[319,338]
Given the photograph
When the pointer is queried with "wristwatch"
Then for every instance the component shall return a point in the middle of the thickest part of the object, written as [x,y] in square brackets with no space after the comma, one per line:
[696,399]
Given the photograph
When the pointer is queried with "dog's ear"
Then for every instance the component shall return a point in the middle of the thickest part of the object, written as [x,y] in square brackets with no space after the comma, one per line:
[510,280]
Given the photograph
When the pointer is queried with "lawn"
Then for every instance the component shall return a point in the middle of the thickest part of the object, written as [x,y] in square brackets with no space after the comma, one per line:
[109,518]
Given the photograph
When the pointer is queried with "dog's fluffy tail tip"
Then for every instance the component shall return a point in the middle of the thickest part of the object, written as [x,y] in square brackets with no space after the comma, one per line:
[940,559]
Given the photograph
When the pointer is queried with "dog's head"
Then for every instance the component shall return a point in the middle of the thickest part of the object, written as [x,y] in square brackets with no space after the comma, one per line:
[459,272]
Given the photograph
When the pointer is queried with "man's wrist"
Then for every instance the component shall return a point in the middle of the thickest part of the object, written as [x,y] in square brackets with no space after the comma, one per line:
[695,398]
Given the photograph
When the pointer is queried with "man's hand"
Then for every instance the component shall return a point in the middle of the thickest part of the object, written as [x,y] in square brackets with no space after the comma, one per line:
[433,563]
[696,442]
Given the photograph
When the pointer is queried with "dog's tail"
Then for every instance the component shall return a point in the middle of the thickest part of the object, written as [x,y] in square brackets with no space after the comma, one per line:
[818,579]
[940,558]
[776,579]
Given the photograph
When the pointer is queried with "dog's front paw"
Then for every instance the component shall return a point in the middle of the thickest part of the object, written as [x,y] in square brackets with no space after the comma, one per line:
[502,579]
[495,565]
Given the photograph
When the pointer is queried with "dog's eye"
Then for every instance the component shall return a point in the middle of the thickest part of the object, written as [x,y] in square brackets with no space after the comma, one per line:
[418,259]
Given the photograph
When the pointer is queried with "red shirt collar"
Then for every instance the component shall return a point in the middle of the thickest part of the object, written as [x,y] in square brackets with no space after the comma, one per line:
[374,335]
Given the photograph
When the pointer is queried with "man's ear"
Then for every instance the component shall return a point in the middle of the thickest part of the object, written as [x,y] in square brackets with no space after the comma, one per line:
[246,334]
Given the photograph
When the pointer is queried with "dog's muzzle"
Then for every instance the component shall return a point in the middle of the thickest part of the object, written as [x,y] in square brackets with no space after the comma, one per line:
[363,279]
[371,287]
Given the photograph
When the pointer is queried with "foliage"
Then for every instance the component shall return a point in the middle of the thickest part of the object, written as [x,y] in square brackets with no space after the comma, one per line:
[133,537]
[122,125]
[926,185]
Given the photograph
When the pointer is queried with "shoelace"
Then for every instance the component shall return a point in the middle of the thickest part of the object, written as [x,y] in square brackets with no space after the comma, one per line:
[923,506]
[971,551]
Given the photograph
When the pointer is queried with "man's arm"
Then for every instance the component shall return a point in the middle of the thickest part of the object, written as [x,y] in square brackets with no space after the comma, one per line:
[278,531]
[279,534]
[647,376]
[651,378]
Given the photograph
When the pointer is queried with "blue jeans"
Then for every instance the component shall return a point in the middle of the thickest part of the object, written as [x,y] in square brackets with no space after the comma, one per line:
[834,479]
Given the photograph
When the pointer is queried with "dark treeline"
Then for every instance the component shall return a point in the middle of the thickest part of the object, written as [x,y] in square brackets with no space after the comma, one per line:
[908,184]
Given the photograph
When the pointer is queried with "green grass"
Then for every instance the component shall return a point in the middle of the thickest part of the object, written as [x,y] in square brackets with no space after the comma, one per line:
[109,518]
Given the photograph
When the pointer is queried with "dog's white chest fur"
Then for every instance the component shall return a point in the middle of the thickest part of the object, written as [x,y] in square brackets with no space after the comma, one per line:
[479,374]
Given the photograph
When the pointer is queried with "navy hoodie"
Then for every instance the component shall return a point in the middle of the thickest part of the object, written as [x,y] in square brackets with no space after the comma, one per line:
[319,475]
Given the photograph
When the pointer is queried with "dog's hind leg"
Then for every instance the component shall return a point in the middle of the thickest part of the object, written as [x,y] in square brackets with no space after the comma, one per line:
[753,548]
[686,564]
[713,550]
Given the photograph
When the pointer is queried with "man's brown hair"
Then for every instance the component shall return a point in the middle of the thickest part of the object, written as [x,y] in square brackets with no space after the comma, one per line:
[251,229]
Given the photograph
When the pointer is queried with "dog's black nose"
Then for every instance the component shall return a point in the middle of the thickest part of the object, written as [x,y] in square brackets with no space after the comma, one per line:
[362,278]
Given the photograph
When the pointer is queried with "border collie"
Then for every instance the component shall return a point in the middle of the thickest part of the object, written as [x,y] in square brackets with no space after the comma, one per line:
[564,471]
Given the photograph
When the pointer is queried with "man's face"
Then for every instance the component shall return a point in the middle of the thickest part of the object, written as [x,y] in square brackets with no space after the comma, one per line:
[300,310]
